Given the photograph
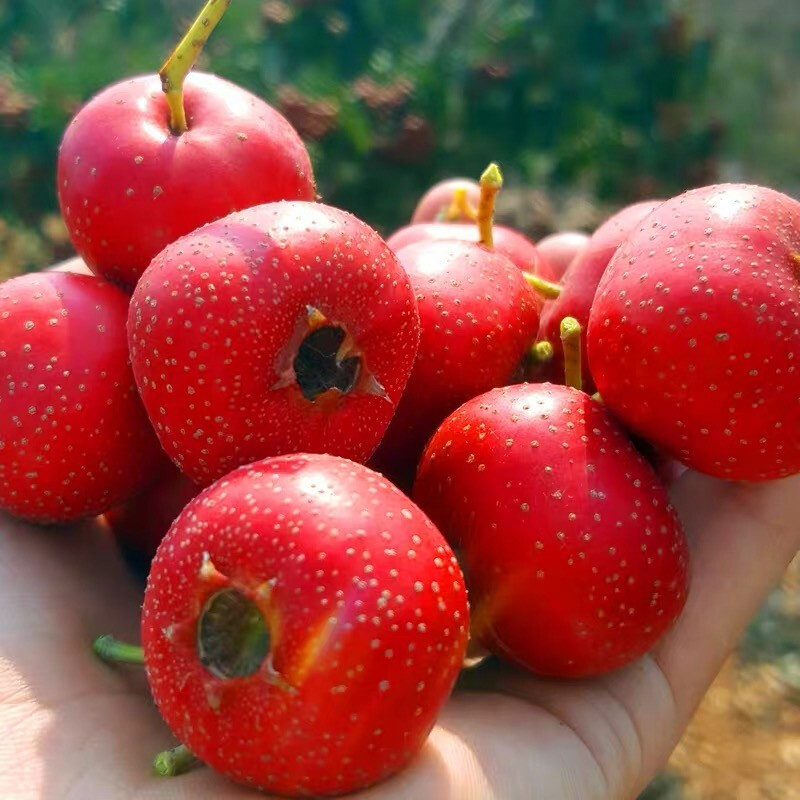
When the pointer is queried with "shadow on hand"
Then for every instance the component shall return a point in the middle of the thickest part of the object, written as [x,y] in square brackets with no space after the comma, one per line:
[74,726]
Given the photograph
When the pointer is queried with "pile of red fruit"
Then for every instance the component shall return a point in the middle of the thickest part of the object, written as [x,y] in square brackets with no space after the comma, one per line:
[304,621]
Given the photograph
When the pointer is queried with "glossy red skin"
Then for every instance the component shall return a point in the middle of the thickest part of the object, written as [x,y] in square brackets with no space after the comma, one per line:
[142,522]
[74,437]
[440,196]
[559,249]
[508,242]
[216,320]
[575,561]
[579,284]
[128,186]
[478,316]
[695,330]
[367,613]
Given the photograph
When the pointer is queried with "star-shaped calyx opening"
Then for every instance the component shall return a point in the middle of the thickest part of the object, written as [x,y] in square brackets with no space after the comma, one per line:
[325,362]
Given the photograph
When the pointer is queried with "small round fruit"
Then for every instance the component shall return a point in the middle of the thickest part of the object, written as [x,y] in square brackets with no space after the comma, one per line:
[512,244]
[478,317]
[560,249]
[694,332]
[576,561]
[579,283]
[438,200]
[288,327]
[128,186]
[74,437]
[303,624]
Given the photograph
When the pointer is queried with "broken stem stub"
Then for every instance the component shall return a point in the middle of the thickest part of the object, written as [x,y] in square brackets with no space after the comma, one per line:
[542,352]
[113,651]
[571,343]
[491,182]
[176,761]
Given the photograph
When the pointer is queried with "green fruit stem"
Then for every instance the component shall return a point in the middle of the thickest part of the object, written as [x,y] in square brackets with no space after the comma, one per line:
[169,763]
[571,342]
[112,651]
[491,182]
[547,289]
[179,64]
[542,352]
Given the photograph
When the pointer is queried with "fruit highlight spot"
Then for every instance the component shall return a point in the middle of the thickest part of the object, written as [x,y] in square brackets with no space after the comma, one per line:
[232,636]
[319,367]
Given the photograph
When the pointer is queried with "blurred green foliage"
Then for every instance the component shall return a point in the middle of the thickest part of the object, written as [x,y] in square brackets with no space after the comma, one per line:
[390,95]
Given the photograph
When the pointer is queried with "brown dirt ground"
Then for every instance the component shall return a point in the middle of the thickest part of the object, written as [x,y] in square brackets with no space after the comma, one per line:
[744,742]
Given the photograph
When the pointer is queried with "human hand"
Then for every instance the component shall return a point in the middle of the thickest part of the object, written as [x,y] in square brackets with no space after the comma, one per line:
[73,728]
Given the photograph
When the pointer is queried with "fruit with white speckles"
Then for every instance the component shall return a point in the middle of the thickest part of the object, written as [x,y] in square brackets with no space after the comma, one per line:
[575,561]
[512,244]
[131,180]
[506,241]
[694,334]
[128,186]
[478,317]
[289,327]
[579,283]
[74,437]
[302,626]
[450,200]
[560,249]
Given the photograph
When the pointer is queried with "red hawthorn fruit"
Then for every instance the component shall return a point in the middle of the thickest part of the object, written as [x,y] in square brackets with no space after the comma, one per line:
[142,522]
[508,242]
[289,327]
[575,561]
[74,438]
[136,162]
[303,624]
[695,330]
[559,250]
[580,283]
[478,316]
[440,201]
[128,186]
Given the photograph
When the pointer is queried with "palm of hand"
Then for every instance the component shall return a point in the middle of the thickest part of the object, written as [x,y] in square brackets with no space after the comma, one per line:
[73,728]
